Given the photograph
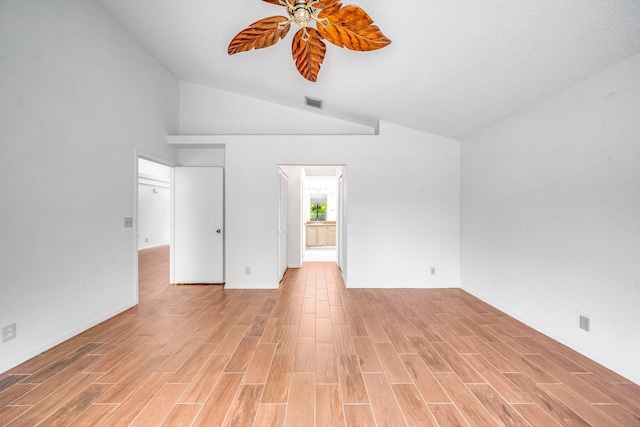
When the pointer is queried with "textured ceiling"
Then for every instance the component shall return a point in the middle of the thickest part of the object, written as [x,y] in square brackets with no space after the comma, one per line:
[454,66]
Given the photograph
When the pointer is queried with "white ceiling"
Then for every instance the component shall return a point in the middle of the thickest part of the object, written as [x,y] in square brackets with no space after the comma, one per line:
[453,68]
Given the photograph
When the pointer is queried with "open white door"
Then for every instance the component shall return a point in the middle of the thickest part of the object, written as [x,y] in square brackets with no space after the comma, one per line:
[197,226]
[340,222]
[283,224]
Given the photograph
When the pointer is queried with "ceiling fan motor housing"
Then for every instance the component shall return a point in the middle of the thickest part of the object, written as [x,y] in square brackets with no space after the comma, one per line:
[301,13]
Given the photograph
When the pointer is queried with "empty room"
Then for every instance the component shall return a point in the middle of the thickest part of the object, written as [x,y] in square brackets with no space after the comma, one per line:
[466,256]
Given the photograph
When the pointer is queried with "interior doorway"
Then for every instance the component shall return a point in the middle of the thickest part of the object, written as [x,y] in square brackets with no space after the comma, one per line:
[316,208]
[152,216]
[320,210]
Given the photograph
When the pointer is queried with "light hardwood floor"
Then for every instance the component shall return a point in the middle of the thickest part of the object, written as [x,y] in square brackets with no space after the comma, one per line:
[311,354]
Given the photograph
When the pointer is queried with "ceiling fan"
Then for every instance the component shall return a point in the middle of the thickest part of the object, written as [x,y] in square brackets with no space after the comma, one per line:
[345,26]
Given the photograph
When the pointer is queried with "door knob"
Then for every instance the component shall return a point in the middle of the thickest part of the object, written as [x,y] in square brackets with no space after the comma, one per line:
[218,231]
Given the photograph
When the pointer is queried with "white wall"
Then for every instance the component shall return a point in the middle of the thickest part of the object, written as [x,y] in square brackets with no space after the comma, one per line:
[78,97]
[411,177]
[148,168]
[202,157]
[209,111]
[154,204]
[551,216]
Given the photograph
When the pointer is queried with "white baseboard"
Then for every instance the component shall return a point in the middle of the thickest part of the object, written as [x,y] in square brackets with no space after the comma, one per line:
[64,337]
[562,340]
[153,246]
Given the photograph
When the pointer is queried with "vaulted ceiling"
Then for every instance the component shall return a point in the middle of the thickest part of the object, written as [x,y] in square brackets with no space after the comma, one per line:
[453,68]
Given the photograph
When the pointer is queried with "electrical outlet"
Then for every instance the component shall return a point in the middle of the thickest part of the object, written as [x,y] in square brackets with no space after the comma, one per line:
[584,323]
[128,221]
[433,271]
[9,332]
[247,270]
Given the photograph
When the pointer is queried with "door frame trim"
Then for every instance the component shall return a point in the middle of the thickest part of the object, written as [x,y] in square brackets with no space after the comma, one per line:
[343,171]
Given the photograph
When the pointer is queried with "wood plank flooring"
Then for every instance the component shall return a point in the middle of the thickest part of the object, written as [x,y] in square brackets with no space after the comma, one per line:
[311,353]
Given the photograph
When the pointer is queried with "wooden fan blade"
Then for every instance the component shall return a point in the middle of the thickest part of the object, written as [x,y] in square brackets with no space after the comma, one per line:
[323,4]
[274,2]
[351,27]
[261,34]
[308,54]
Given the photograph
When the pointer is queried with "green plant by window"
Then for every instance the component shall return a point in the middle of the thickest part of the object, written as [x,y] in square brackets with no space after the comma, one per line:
[318,212]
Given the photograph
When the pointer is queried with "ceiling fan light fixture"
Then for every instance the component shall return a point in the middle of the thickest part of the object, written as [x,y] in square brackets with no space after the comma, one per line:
[301,15]
[313,102]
